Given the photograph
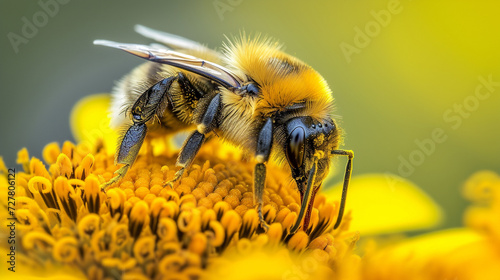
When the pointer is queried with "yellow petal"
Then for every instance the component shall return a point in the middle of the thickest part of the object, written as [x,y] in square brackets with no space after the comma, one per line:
[434,244]
[437,255]
[387,204]
[251,263]
[90,122]
[256,266]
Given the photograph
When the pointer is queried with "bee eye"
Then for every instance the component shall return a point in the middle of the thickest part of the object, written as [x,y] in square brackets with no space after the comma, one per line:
[296,147]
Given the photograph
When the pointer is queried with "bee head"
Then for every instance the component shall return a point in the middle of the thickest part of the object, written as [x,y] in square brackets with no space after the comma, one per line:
[309,142]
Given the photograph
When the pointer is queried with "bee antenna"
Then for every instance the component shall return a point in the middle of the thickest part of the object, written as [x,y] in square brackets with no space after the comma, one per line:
[347,179]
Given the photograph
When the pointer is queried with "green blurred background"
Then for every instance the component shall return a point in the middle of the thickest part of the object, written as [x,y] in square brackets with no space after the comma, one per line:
[398,69]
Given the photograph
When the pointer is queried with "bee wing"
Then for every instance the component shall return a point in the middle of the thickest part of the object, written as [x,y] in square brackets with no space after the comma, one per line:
[172,41]
[189,63]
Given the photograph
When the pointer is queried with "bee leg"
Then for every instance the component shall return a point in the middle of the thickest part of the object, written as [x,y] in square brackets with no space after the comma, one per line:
[192,145]
[262,155]
[347,178]
[307,200]
[187,154]
[152,102]
[258,191]
[128,150]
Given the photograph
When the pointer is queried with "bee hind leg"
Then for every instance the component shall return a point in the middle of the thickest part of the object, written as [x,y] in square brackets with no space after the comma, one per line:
[128,151]
[150,104]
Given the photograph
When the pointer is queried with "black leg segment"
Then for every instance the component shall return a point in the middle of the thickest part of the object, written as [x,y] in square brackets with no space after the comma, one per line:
[207,122]
[258,190]
[131,143]
[264,142]
[152,102]
[347,179]
[262,151]
[194,142]
[190,149]
[128,150]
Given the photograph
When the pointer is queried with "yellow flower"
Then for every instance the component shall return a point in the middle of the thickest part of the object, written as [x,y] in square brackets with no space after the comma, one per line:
[466,253]
[142,230]
[384,204]
[205,226]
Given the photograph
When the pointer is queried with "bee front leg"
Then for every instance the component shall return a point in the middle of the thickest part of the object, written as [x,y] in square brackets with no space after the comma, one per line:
[262,155]
[205,123]
[258,191]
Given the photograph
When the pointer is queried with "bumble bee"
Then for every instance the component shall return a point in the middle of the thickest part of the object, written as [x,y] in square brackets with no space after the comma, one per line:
[252,94]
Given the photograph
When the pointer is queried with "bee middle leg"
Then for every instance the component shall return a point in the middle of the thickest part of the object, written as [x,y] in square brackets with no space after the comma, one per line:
[205,123]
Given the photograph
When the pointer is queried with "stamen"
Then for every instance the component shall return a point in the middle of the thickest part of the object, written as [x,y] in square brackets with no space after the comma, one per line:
[51,152]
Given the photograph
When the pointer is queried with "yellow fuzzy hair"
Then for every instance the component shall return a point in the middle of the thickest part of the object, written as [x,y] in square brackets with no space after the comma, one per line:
[284,80]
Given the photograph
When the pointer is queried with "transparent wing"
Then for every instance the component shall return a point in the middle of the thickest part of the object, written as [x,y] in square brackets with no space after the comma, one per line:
[189,63]
[172,41]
